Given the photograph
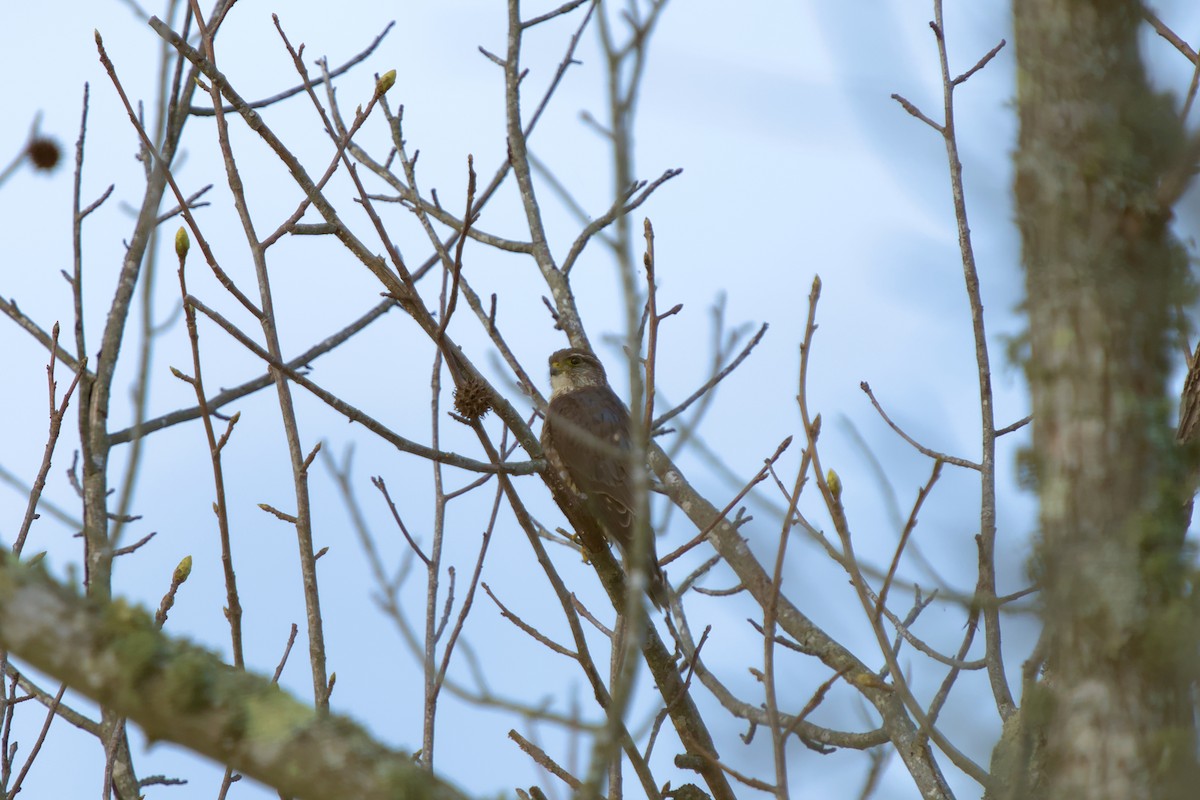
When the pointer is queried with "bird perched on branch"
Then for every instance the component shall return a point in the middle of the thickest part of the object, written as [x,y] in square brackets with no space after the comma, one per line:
[587,443]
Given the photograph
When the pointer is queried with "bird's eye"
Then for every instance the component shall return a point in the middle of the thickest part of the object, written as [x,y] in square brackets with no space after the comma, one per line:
[575,361]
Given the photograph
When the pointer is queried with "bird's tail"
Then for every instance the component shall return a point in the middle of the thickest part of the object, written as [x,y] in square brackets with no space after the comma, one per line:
[657,587]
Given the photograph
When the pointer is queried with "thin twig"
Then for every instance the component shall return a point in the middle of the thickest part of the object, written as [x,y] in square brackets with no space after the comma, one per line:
[379,484]
[544,761]
[355,415]
[533,632]
[1001,691]
[57,412]
[227,396]
[287,648]
[295,90]
[934,454]
[233,605]
[714,380]
[909,526]
[759,477]
[51,710]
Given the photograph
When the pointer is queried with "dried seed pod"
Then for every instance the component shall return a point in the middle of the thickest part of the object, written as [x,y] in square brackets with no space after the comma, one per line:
[473,399]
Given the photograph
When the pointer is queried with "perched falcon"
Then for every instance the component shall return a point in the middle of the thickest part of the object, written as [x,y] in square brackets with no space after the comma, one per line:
[586,440]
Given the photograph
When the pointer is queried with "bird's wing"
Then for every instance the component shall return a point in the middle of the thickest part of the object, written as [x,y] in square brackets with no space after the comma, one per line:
[586,433]
[589,430]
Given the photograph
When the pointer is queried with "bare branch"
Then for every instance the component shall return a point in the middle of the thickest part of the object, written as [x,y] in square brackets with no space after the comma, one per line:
[295,90]
[934,454]
[544,761]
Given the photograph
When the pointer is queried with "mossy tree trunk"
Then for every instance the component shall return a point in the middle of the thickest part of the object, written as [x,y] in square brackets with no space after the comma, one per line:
[1112,717]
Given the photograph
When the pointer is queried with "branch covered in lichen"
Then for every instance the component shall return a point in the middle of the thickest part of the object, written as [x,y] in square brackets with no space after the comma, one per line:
[177,691]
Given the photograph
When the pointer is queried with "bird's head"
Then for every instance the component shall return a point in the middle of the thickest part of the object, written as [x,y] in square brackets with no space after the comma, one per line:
[573,369]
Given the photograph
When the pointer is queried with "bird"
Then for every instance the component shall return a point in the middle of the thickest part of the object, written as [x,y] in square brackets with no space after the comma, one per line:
[586,441]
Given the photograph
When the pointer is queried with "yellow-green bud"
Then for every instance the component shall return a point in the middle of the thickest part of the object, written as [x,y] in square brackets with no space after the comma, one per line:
[182,243]
[835,484]
[182,571]
[386,81]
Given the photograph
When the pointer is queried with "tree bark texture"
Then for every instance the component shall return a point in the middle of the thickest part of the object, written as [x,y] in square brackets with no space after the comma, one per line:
[1112,716]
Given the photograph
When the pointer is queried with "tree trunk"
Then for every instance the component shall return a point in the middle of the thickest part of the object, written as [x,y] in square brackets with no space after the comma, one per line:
[1112,716]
